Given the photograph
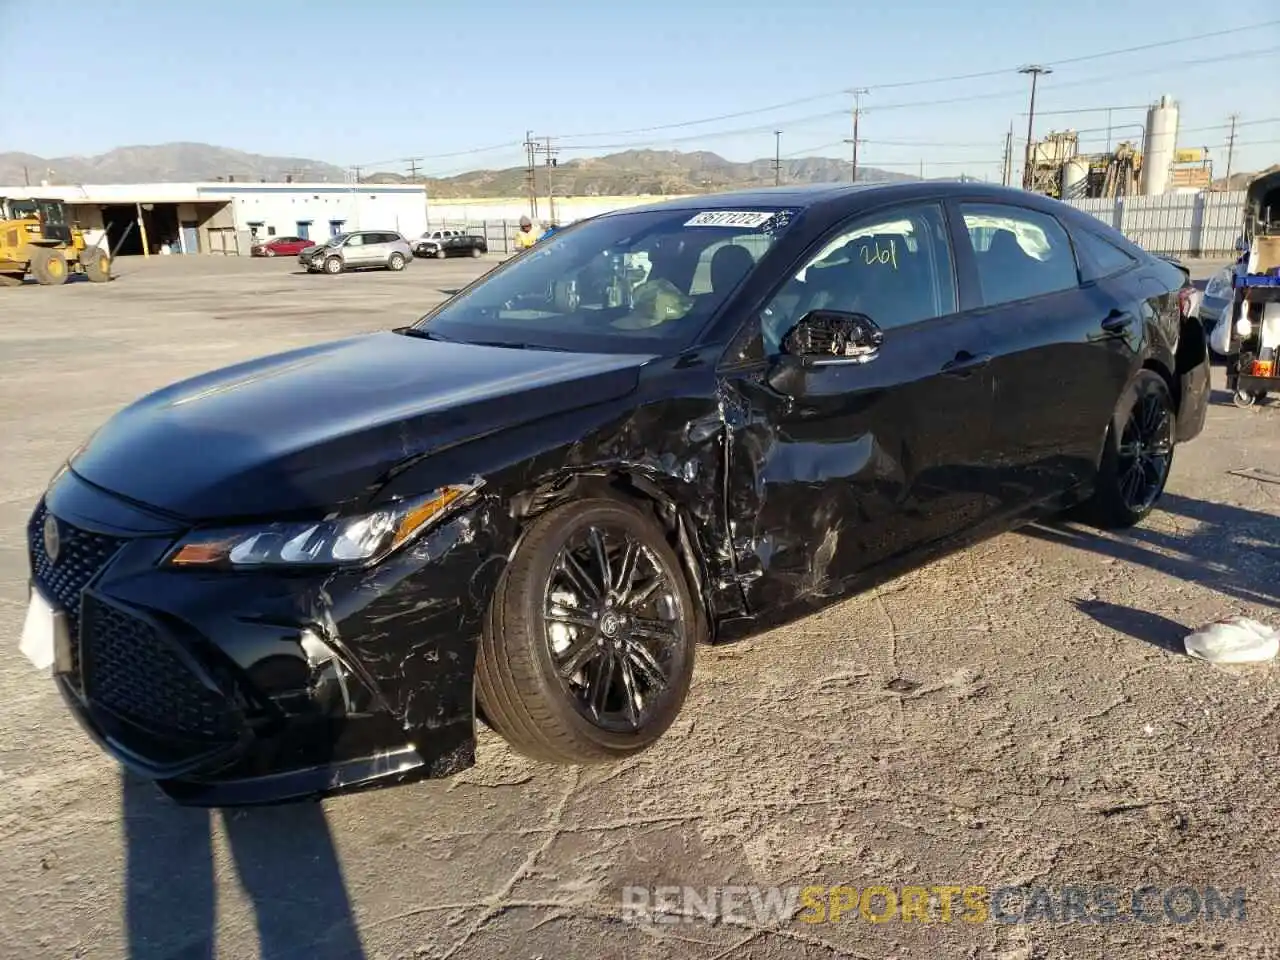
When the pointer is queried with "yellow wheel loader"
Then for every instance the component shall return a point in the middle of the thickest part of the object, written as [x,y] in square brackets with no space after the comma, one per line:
[36,239]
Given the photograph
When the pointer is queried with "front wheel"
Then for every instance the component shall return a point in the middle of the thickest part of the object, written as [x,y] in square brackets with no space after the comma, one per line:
[440,253]
[477,253]
[1246,398]
[1137,455]
[588,647]
[396,262]
[333,265]
[268,252]
[49,266]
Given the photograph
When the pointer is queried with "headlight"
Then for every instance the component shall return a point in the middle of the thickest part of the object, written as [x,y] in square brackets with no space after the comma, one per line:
[337,541]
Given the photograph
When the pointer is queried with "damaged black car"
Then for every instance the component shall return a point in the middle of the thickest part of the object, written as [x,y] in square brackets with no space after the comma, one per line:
[665,426]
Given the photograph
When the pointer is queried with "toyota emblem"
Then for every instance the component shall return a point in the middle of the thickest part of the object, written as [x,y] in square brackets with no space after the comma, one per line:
[52,537]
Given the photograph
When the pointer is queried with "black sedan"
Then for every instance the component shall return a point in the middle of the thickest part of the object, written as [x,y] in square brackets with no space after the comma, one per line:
[664,426]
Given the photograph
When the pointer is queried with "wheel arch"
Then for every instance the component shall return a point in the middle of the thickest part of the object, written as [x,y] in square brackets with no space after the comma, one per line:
[636,488]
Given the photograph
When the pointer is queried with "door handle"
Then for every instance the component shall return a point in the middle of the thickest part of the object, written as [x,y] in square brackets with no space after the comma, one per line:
[964,363]
[1117,321]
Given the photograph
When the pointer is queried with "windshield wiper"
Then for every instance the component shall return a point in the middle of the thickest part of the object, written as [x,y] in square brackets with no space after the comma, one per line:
[423,334]
[511,345]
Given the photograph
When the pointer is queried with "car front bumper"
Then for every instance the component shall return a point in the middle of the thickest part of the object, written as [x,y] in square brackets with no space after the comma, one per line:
[246,688]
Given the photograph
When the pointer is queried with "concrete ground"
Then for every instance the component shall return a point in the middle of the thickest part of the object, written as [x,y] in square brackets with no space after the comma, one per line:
[1018,714]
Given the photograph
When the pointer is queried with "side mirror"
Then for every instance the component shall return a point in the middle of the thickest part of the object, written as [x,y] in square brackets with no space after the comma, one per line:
[833,336]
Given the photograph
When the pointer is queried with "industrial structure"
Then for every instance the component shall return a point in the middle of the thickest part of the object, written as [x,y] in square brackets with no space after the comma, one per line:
[1153,167]
[225,217]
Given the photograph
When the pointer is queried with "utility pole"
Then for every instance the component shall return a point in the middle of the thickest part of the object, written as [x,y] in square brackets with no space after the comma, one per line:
[1231,146]
[552,163]
[777,157]
[1006,168]
[356,170]
[413,168]
[530,173]
[857,112]
[921,168]
[1035,70]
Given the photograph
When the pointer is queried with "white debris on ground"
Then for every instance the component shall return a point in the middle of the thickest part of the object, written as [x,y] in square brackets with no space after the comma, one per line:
[1234,640]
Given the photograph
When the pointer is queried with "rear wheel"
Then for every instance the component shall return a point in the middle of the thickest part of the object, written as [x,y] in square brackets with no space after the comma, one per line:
[96,265]
[1137,455]
[333,265]
[396,262]
[588,648]
[49,266]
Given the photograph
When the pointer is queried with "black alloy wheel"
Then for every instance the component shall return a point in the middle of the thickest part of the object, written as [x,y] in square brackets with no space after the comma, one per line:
[613,627]
[588,648]
[1145,452]
[1137,455]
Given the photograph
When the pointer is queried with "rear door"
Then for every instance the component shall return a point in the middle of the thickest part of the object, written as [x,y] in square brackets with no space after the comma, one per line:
[1062,345]
[866,461]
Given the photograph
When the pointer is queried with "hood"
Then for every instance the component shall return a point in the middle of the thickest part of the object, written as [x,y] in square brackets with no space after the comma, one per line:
[315,427]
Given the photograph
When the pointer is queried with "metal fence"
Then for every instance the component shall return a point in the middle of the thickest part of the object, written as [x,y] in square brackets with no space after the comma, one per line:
[498,234]
[1178,224]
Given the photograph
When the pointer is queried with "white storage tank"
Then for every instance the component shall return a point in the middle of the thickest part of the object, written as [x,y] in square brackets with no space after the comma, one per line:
[1075,179]
[1162,142]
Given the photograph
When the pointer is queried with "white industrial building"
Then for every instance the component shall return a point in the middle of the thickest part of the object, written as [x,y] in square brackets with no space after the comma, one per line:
[226,217]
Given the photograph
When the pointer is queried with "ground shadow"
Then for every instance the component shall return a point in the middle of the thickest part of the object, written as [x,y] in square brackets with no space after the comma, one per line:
[286,863]
[1229,549]
[1141,625]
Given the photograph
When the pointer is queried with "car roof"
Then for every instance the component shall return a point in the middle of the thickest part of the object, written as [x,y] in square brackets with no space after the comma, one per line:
[845,195]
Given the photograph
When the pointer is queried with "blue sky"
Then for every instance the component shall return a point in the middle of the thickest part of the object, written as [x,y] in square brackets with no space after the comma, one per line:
[327,80]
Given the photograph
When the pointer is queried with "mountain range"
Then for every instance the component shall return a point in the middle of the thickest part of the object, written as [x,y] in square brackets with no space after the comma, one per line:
[629,173]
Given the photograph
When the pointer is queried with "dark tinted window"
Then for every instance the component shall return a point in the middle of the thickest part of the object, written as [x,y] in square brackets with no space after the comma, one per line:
[894,266]
[1099,258]
[1020,253]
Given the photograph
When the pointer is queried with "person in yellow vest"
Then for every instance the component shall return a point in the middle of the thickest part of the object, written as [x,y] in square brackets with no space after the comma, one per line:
[525,237]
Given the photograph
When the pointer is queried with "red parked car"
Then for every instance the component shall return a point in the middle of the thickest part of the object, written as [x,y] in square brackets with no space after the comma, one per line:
[281,247]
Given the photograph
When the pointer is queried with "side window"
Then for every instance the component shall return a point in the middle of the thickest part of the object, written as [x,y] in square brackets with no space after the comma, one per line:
[1020,253]
[894,267]
[1098,257]
[355,240]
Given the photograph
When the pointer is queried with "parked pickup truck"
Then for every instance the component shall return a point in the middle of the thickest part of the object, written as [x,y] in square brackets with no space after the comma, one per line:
[450,243]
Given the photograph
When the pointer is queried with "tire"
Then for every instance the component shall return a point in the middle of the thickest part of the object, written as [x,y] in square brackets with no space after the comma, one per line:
[1245,398]
[440,253]
[1145,414]
[522,695]
[49,266]
[396,262]
[333,266]
[477,253]
[268,252]
[96,266]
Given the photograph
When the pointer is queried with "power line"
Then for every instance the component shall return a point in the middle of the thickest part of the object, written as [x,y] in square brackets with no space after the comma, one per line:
[954,78]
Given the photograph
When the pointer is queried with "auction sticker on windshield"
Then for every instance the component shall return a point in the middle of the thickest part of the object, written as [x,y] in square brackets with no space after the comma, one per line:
[731,218]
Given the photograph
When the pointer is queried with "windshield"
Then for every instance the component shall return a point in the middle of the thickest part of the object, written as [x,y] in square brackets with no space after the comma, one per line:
[634,282]
[337,241]
[22,209]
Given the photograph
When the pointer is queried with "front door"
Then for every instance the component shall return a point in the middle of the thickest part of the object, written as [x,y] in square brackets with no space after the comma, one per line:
[1060,358]
[860,462]
[190,236]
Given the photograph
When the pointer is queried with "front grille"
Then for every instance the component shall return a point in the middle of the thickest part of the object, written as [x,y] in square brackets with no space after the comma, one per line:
[81,554]
[134,672]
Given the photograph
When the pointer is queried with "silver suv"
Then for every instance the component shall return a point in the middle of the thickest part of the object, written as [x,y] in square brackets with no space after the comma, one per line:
[353,251]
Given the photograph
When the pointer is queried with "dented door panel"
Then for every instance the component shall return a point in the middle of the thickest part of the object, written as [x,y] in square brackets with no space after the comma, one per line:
[870,461]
